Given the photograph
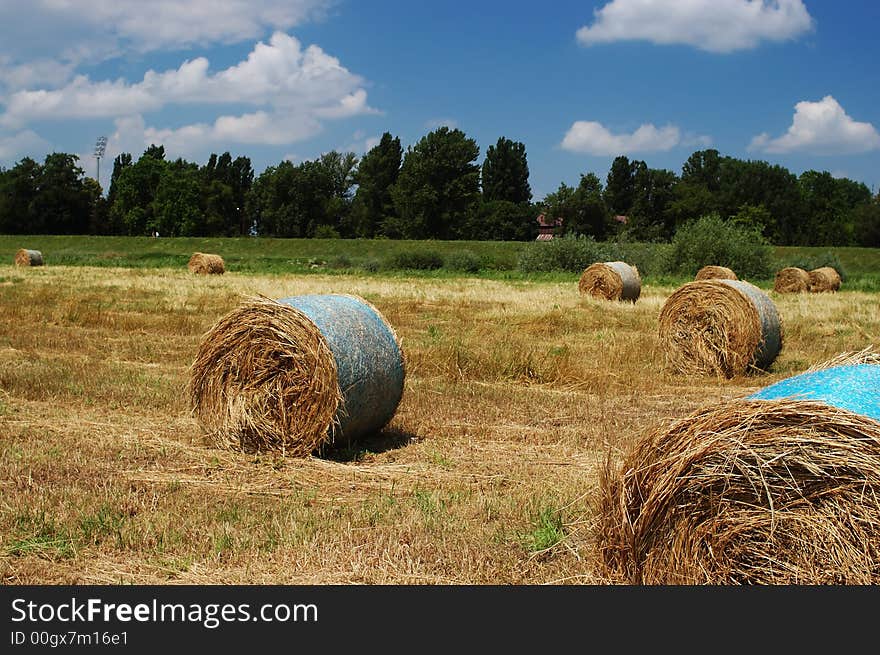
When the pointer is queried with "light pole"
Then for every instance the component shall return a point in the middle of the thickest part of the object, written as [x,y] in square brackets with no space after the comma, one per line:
[100,146]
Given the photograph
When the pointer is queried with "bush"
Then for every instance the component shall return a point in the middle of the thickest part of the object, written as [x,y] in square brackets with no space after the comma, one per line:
[464,260]
[371,265]
[710,240]
[570,253]
[339,262]
[326,232]
[420,260]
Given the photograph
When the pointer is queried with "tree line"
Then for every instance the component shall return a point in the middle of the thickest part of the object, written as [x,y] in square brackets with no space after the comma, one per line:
[435,189]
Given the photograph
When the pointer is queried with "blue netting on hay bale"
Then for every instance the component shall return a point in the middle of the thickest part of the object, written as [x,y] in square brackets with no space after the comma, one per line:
[369,362]
[853,387]
[771,326]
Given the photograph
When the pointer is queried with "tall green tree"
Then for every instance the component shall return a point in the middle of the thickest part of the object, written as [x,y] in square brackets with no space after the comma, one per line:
[63,204]
[136,187]
[651,217]
[619,186]
[18,188]
[376,174]
[176,207]
[339,170]
[438,187]
[113,221]
[505,174]
[582,208]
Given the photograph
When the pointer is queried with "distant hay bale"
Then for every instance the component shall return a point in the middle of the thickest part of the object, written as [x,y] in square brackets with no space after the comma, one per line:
[824,279]
[772,489]
[715,273]
[296,374]
[206,264]
[719,327]
[26,257]
[611,281]
[791,279]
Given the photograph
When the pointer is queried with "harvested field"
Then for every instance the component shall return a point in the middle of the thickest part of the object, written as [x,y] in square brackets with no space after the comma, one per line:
[515,395]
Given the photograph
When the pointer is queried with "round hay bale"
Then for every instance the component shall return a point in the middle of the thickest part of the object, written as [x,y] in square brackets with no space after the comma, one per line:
[765,490]
[824,279]
[296,374]
[24,257]
[791,279]
[206,264]
[715,273]
[720,327]
[611,281]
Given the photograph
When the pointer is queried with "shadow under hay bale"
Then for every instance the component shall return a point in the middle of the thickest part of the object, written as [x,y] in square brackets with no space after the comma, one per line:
[791,279]
[824,279]
[719,327]
[611,281]
[715,273]
[25,257]
[297,374]
[206,264]
[782,487]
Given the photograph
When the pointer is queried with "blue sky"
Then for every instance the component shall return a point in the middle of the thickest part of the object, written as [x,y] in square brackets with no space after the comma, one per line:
[792,82]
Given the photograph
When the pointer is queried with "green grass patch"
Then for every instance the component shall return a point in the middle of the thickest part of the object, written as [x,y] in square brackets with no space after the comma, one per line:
[385,257]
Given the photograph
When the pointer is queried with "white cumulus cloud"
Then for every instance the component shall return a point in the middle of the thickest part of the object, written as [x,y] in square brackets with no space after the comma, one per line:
[15,146]
[279,74]
[593,138]
[713,25]
[821,127]
[93,30]
[289,92]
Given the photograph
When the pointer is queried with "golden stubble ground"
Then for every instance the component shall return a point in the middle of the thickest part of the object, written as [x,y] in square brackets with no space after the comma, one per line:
[515,394]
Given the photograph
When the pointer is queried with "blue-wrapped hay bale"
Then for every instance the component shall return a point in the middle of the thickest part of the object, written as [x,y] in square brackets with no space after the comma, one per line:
[611,281]
[26,257]
[780,487]
[297,374]
[720,327]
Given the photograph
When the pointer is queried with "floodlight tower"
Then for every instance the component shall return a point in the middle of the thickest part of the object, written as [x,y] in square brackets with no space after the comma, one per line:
[100,147]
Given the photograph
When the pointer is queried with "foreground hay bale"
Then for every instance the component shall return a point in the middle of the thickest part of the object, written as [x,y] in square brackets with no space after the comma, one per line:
[611,281]
[26,257]
[296,374]
[206,264]
[719,327]
[824,279]
[771,489]
[791,279]
[715,273]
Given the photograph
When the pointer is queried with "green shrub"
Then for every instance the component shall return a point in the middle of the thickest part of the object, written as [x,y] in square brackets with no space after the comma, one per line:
[569,253]
[371,265]
[326,232]
[420,260]
[711,240]
[466,261]
[339,262]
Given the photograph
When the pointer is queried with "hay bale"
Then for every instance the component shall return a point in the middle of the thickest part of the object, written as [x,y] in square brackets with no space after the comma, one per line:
[26,257]
[824,279]
[715,273]
[791,279]
[206,264]
[782,487]
[611,281]
[719,327]
[296,374]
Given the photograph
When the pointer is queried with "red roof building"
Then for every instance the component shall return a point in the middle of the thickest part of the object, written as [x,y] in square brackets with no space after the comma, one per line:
[547,227]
